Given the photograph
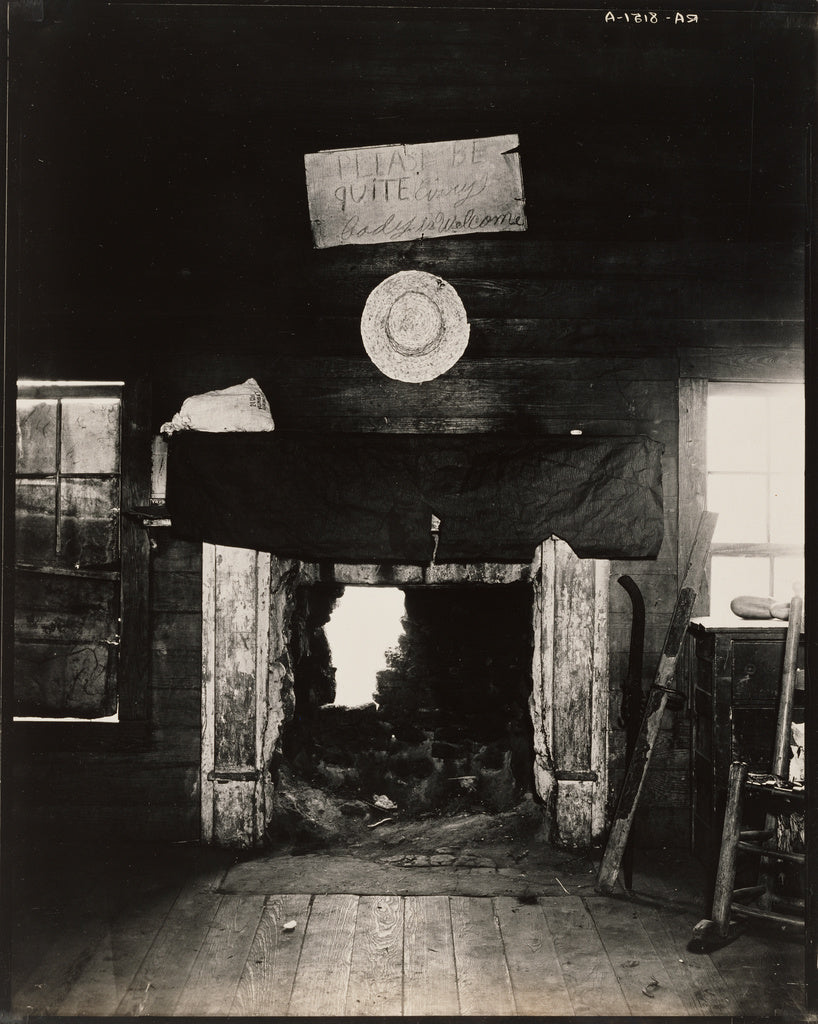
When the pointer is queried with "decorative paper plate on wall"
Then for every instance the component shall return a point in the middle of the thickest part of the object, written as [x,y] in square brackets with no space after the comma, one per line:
[414,326]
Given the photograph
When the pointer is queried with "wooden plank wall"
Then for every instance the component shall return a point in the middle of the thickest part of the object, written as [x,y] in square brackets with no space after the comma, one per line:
[160,226]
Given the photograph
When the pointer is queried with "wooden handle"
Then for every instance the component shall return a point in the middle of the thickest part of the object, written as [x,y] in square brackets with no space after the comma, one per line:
[782,735]
[657,700]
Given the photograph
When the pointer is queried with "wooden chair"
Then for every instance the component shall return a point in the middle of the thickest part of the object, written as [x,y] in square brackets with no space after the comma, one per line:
[772,794]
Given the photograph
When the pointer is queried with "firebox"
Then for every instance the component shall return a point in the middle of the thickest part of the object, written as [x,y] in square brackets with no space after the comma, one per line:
[447,727]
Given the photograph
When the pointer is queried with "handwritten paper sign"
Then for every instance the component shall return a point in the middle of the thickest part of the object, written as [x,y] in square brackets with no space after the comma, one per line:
[395,193]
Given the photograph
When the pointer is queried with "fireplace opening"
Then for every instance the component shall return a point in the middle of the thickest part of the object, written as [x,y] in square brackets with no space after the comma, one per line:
[447,726]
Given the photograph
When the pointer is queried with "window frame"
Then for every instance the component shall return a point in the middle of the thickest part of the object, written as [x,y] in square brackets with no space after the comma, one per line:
[133,671]
[759,549]
[692,473]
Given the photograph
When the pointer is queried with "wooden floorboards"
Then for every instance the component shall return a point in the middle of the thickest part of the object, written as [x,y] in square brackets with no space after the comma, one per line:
[180,947]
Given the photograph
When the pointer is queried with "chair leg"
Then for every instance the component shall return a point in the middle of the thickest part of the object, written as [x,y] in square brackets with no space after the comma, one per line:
[726,871]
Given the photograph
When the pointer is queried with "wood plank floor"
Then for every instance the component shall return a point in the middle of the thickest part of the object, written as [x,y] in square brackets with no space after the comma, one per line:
[170,943]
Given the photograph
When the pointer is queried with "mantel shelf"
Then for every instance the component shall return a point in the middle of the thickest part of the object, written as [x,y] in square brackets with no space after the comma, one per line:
[380,498]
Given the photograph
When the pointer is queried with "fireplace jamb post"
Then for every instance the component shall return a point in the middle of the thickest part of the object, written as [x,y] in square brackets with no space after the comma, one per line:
[246,598]
[569,691]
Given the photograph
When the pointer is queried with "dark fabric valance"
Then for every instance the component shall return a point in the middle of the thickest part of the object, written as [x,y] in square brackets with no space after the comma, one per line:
[371,497]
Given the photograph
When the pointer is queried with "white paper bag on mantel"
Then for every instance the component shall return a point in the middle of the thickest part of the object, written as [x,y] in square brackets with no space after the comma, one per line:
[243,407]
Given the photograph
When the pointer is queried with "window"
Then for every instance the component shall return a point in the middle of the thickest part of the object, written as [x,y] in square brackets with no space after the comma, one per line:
[77,573]
[755,481]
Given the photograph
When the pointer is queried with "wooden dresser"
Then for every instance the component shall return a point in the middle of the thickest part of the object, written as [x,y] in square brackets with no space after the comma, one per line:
[734,672]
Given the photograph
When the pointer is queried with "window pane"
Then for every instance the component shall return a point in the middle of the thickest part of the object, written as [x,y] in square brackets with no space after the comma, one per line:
[89,522]
[788,574]
[787,432]
[65,608]
[90,435]
[36,436]
[63,680]
[736,432]
[741,502]
[787,509]
[34,521]
[731,577]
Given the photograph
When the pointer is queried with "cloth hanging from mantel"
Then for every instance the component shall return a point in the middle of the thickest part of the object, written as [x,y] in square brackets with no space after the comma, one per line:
[370,497]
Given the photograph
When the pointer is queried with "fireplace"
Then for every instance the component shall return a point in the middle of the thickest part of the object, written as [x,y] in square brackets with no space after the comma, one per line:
[458,734]
[443,726]
[428,510]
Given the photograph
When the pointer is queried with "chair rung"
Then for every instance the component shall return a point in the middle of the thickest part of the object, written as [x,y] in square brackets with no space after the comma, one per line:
[749,890]
[757,835]
[763,851]
[790,904]
[757,786]
[766,915]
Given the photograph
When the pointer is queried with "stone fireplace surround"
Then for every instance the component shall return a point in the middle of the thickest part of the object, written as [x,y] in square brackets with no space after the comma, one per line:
[248,695]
